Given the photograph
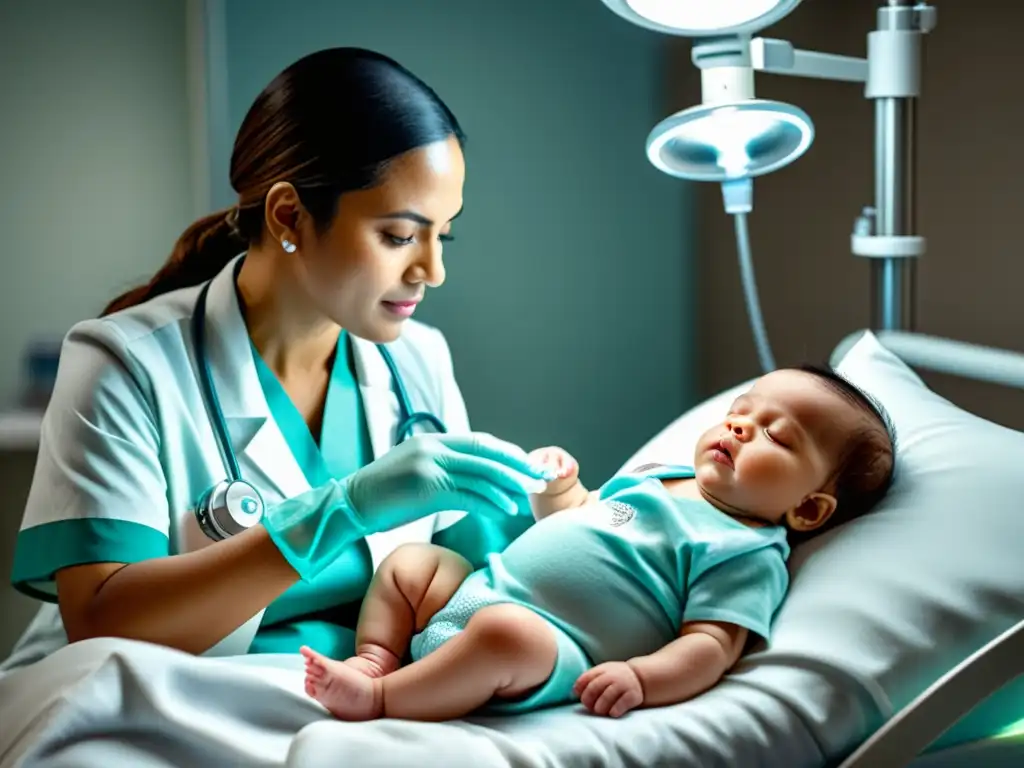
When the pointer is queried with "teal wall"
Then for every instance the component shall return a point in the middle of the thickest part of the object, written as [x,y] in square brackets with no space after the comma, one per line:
[95,161]
[568,303]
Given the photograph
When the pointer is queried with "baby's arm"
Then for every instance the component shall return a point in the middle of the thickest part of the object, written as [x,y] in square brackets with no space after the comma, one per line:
[723,605]
[690,664]
[686,667]
[565,491]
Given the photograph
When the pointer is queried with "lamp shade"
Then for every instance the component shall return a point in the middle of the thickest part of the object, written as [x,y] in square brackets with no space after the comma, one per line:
[730,141]
[697,18]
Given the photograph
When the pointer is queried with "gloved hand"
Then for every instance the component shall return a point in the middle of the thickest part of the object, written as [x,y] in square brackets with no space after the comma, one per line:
[475,473]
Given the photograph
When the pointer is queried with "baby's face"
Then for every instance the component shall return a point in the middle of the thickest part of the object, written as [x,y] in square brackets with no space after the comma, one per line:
[776,449]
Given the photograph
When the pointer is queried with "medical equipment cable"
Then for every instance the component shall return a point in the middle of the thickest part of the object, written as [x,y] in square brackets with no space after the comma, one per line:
[738,198]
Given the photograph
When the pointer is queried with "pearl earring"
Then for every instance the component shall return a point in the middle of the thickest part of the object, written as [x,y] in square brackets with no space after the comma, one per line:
[288,245]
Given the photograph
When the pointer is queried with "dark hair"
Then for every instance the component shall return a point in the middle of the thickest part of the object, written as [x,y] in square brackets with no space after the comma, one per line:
[328,124]
[866,465]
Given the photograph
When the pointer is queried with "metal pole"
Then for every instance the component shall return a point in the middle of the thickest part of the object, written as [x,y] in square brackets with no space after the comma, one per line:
[894,280]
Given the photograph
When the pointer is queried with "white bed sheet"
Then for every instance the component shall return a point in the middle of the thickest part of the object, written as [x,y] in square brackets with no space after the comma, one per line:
[128,703]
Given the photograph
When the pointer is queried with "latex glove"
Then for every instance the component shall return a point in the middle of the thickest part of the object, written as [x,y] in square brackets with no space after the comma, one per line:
[426,474]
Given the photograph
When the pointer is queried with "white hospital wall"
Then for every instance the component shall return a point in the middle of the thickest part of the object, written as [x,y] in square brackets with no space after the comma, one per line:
[568,304]
[94,157]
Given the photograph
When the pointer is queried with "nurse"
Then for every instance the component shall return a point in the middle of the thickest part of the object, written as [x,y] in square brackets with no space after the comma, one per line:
[349,173]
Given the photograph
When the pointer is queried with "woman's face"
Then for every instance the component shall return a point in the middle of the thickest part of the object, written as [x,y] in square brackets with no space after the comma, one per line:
[371,268]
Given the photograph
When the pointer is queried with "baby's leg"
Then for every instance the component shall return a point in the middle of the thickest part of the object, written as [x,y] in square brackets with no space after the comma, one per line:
[411,585]
[504,651]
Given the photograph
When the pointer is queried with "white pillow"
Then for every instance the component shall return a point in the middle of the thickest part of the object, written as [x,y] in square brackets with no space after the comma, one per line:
[881,607]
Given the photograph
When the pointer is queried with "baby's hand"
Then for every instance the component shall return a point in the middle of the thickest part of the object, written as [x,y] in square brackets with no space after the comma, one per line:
[559,461]
[610,689]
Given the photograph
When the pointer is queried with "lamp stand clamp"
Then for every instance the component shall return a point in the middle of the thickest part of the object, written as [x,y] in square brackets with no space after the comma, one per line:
[886,233]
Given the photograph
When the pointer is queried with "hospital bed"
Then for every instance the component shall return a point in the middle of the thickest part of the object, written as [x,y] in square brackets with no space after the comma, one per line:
[896,626]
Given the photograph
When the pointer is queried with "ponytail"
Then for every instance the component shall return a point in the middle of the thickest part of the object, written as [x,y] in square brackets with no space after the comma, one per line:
[328,124]
[201,252]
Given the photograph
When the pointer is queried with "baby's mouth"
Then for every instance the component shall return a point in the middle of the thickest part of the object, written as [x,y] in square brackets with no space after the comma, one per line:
[720,452]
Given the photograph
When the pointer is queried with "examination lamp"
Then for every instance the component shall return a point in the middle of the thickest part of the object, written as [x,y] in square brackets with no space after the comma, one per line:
[696,18]
[732,136]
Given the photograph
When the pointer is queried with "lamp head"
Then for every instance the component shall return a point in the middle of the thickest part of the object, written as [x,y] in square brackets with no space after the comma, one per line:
[721,142]
[699,18]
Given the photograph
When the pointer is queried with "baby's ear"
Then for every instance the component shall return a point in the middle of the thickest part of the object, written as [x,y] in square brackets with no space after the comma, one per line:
[813,512]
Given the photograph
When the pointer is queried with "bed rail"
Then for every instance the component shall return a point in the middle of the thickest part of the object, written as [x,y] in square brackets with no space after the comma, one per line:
[939,707]
[969,361]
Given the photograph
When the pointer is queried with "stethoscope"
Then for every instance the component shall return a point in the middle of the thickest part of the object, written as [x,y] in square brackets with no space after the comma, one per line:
[234,505]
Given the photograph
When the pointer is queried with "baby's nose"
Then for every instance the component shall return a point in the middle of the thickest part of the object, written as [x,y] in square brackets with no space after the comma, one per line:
[740,427]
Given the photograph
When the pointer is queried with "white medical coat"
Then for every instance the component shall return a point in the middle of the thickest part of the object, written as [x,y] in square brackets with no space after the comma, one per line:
[127,448]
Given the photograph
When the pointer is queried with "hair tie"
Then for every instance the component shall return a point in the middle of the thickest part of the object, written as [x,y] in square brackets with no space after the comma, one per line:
[232,220]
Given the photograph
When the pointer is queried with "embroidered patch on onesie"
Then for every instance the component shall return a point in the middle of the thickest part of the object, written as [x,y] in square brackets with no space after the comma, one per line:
[621,513]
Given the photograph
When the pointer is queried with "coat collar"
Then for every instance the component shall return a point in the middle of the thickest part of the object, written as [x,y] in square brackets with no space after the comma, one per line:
[264,456]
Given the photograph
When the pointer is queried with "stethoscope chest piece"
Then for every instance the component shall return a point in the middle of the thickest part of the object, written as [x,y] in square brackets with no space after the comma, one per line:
[230,507]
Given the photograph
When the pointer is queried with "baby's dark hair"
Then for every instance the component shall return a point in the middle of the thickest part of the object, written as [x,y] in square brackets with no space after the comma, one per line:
[865,470]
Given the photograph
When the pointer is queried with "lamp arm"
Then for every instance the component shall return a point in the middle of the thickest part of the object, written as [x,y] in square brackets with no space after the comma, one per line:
[779,57]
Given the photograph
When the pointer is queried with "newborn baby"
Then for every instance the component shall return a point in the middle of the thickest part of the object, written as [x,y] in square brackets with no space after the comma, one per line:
[641,594]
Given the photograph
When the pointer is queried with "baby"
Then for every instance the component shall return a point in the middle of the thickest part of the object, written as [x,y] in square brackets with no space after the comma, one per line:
[641,594]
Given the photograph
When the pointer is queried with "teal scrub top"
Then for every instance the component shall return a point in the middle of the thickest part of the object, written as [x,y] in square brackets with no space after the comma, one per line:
[476,537]
[322,613]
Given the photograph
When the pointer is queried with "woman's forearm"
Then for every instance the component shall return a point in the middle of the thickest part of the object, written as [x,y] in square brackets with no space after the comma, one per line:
[189,602]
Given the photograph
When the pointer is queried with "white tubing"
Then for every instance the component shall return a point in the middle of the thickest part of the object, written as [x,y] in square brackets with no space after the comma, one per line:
[764,350]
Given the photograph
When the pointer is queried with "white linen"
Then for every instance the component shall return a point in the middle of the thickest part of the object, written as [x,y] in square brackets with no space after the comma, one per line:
[119,702]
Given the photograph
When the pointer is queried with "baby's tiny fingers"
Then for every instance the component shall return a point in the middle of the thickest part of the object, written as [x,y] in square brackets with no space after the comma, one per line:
[627,701]
[566,464]
[593,691]
[611,695]
[585,679]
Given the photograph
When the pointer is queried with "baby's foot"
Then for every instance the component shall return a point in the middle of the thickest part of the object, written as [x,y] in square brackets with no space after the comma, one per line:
[374,661]
[347,693]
